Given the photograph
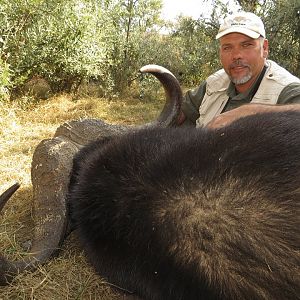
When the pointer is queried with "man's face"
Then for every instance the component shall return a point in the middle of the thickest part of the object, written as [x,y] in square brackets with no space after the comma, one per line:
[242,58]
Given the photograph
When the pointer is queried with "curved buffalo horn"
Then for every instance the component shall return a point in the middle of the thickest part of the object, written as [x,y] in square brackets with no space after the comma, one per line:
[171,109]
[8,269]
[7,194]
[51,167]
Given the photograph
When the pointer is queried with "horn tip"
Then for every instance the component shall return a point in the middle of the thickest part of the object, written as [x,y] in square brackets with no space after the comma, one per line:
[152,68]
[7,194]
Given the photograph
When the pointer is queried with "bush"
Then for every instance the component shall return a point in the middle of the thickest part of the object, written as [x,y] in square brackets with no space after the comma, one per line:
[59,41]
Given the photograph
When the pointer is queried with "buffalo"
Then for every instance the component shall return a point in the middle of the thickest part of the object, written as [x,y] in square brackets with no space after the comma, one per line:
[181,213]
[175,213]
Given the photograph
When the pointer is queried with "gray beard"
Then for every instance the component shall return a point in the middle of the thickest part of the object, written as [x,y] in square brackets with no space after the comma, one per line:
[241,80]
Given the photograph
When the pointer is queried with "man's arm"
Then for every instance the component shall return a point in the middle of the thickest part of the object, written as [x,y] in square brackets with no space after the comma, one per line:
[190,106]
[289,99]
[290,94]
[226,118]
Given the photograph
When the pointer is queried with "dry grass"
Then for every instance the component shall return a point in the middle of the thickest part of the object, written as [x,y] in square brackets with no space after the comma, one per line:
[22,127]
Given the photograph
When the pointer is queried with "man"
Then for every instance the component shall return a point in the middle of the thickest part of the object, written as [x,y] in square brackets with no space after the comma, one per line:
[247,77]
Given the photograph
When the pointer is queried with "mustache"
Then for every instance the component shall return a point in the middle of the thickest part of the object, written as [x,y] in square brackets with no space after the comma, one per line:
[238,63]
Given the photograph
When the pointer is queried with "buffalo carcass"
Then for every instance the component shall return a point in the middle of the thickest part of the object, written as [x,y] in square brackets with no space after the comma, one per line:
[189,214]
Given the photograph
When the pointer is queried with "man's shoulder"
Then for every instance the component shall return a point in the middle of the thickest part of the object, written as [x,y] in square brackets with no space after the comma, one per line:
[278,86]
[277,73]
[218,81]
[218,74]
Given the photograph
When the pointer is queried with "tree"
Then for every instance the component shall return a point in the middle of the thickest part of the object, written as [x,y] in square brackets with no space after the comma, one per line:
[198,49]
[249,5]
[131,21]
[282,22]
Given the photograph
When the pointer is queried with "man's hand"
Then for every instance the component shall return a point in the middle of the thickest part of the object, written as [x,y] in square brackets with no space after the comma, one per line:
[228,117]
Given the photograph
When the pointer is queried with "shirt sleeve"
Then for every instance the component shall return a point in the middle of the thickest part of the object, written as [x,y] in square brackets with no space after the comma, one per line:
[290,94]
[191,103]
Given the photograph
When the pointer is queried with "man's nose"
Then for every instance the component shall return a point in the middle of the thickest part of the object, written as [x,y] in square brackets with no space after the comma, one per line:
[236,54]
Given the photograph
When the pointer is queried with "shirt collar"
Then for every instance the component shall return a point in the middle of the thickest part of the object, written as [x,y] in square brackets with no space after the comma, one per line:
[233,94]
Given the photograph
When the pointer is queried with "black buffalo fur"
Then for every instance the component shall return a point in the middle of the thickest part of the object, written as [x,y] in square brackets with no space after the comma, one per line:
[189,214]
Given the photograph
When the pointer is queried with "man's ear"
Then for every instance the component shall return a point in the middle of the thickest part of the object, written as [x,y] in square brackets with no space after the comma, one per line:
[265,48]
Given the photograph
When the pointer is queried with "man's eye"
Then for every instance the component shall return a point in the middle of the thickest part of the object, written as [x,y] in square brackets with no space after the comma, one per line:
[226,48]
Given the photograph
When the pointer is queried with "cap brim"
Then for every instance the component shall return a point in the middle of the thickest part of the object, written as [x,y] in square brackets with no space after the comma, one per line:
[245,31]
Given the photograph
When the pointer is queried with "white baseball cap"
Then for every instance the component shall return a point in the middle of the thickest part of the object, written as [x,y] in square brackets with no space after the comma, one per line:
[243,22]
